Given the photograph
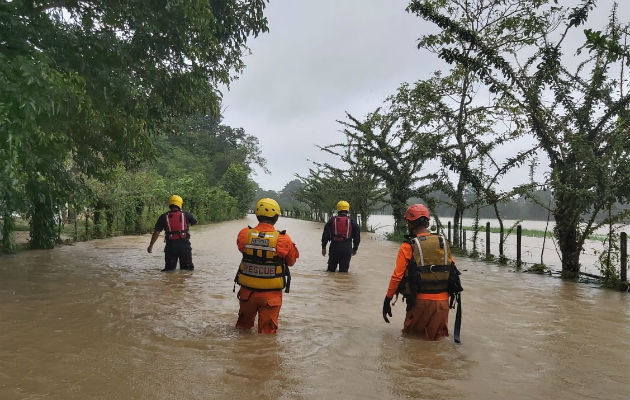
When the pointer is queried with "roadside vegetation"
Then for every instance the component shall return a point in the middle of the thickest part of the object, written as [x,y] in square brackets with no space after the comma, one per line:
[99,105]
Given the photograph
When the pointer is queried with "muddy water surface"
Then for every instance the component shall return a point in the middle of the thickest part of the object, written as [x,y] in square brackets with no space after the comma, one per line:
[97,320]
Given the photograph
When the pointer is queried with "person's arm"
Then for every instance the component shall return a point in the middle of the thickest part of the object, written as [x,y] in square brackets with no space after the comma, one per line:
[154,238]
[191,219]
[286,249]
[326,236]
[356,237]
[404,255]
[159,227]
[241,239]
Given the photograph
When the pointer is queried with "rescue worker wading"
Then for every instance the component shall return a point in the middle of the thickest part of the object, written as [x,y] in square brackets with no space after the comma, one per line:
[344,237]
[264,269]
[175,223]
[425,275]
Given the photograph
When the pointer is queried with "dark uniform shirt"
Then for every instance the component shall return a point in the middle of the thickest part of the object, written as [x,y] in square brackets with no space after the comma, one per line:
[160,225]
[327,235]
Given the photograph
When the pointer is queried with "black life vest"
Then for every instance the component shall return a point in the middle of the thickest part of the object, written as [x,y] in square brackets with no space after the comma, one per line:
[176,225]
[341,228]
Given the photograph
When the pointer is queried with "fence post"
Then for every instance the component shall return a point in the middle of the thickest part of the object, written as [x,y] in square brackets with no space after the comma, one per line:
[464,240]
[487,239]
[518,246]
[449,231]
[624,256]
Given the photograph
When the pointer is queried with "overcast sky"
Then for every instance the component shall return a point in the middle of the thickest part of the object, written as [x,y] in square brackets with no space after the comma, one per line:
[320,59]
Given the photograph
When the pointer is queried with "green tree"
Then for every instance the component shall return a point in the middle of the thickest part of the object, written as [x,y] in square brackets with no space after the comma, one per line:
[236,182]
[358,184]
[395,144]
[474,127]
[84,85]
[572,103]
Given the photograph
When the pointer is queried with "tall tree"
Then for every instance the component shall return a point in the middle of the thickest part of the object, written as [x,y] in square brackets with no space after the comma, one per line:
[571,98]
[474,125]
[84,85]
[395,144]
[360,185]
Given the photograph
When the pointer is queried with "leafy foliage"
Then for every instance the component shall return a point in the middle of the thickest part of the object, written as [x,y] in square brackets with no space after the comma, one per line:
[86,86]
[576,110]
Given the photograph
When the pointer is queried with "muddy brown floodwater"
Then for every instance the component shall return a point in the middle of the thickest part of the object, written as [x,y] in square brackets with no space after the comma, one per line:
[97,320]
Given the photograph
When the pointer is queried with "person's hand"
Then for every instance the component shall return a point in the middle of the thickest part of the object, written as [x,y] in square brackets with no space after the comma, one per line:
[354,252]
[387,308]
[323,251]
[150,249]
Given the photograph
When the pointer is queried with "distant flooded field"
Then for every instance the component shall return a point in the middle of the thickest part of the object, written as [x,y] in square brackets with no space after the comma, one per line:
[532,247]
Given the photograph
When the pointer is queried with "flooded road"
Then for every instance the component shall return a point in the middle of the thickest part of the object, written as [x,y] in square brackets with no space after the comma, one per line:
[97,320]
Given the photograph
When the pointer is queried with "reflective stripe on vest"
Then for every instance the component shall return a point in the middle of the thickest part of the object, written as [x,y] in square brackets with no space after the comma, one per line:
[431,254]
[176,225]
[260,267]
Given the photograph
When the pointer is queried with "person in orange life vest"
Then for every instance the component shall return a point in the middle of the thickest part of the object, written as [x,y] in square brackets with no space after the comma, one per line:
[175,223]
[427,257]
[264,269]
[344,236]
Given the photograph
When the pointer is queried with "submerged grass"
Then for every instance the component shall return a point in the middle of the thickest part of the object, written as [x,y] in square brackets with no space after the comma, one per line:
[532,233]
[399,237]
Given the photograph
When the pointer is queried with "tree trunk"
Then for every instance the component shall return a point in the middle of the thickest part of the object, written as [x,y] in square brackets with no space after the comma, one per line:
[109,217]
[76,223]
[566,234]
[8,226]
[138,219]
[96,226]
[399,206]
[456,226]
[365,214]
[42,225]
[459,212]
[501,229]
[87,224]
[476,226]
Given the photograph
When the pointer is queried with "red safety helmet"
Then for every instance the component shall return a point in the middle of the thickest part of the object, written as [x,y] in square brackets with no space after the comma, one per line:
[416,211]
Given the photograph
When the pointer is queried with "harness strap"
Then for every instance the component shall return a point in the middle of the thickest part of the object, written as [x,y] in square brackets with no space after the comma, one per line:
[419,251]
[445,252]
[287,278]
[458,317]
[434,268]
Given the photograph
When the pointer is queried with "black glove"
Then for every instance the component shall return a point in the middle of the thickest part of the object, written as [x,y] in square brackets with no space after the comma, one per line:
[387,308]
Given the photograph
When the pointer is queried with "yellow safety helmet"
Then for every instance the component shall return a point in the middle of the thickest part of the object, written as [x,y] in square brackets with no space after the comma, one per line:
[175,200]
[267,208]
[343,206]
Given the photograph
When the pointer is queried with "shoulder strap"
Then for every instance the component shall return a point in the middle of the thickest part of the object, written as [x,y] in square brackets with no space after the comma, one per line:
[168,223]
[419,251]
[445,250]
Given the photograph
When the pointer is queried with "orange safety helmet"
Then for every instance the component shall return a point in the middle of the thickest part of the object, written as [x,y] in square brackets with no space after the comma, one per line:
[416,211]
